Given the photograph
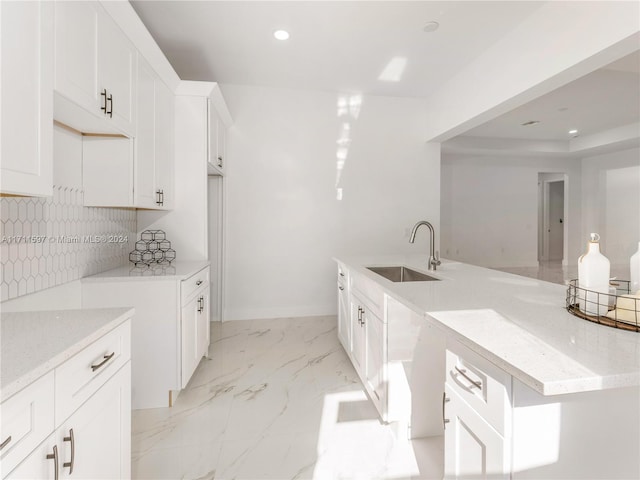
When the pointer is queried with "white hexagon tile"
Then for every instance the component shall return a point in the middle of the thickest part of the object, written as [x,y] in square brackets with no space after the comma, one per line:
[46,242]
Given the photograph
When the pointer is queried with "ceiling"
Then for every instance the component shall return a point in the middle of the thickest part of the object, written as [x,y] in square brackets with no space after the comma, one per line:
[340,46]
[602,100]
[381,48]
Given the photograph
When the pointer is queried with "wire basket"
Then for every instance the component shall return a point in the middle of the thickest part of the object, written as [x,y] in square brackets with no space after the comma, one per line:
[619,310]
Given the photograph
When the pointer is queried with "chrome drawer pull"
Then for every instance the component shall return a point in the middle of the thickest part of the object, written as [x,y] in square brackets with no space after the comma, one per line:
[340,287]
[474,383]
[199,282]
[5,443]
[54,456]
[444,420]
[106,359]
[71,439]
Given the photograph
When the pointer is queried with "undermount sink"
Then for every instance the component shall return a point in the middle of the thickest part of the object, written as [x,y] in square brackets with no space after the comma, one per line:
[402,274]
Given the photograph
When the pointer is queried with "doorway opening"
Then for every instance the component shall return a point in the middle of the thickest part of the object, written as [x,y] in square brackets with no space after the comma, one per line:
[552,218]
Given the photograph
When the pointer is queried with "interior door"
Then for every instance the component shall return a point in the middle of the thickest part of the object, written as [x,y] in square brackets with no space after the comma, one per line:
[556,220]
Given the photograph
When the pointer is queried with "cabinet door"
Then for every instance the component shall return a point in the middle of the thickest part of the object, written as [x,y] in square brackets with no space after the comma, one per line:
[26,134]
[221,159]
[215,165]
[358,337]
[344,319]
[164,143]
[76,46]
[190,319]
[144,170]
[375,350]
[37,465]
[203,332]
[116,73]
[472,448]
[96,440]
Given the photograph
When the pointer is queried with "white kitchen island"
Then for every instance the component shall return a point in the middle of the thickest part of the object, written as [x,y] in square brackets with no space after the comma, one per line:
[524,389]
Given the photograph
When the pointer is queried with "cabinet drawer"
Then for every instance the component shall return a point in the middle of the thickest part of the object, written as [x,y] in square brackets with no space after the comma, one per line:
[25,420]
[82,375]
[191,284]
[485,387]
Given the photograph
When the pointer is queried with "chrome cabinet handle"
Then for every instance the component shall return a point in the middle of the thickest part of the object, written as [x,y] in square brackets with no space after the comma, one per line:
[341,274]
[5,443]
[110,112]
[199,282]
[106,359]
[54,456]
[474,383]
[71,439]
[220,162]
[444,400]
[104,104]
[340,287]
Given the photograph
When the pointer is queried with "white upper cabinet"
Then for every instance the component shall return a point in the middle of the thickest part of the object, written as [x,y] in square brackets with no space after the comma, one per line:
[138,172]
[94,70]
[154,141]
[218,120]
[26,136]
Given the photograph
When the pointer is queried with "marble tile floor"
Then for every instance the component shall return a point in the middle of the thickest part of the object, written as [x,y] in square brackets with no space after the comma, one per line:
[276,399]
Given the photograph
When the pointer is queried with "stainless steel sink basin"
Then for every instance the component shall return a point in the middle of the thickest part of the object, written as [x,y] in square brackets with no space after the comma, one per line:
[402,274]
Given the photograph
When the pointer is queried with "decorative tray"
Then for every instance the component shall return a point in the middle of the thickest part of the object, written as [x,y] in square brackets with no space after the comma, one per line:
[617,310]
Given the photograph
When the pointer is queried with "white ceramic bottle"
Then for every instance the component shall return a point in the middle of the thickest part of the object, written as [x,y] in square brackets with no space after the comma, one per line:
[634,264]
[593,275]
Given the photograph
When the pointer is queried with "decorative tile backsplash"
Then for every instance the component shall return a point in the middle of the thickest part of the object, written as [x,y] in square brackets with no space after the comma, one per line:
[46,242]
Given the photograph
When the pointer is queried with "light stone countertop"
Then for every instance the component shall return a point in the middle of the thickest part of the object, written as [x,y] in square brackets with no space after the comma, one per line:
[520,324]
[34,343]
[179,270]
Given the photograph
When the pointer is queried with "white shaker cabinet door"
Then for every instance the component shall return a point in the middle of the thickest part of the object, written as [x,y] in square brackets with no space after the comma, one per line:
[344,319]
[144,174]
[95,441]
[26,135]
[358,336]
[472,448]
[189,331]
[375,345]
[164,144]
[76,48]
[40,463]
[203,326]
[116,74]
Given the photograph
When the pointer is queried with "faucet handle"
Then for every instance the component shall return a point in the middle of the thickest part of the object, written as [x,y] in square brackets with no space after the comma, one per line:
[437,258]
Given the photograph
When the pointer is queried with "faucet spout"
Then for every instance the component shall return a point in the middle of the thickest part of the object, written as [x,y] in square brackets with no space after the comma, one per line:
[434,261]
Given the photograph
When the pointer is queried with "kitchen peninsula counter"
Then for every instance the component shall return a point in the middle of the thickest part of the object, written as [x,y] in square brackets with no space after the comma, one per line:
[519,324]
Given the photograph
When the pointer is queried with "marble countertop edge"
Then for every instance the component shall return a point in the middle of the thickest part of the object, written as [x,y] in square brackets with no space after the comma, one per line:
[42,368]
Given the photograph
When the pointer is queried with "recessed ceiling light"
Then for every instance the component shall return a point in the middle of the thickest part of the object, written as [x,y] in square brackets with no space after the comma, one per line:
[573,132]
[281,34]
[530,122]
[431,26]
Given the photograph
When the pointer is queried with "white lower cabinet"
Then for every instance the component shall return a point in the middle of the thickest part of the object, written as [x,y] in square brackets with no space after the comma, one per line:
[368,345]
[94,441]
[497,427]
[170,334]
[473,449]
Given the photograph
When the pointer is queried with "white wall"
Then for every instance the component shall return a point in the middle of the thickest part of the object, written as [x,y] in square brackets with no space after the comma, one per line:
[312,175]
[611,202]
[490,208]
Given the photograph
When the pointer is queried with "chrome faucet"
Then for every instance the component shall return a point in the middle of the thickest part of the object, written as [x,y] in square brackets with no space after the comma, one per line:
[434,261]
